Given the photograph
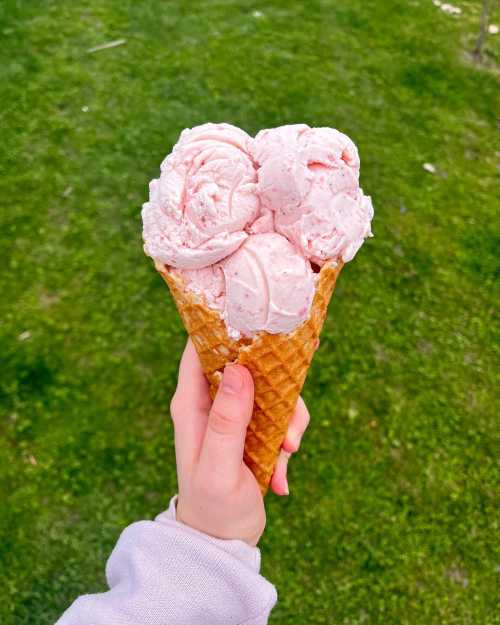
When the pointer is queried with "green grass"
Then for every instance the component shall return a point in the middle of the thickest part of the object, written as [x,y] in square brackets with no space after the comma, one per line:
[391,517]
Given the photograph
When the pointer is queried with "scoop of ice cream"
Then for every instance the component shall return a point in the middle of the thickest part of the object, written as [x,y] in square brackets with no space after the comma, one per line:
[205,197]
[208,282]
[269,286]
[309,178]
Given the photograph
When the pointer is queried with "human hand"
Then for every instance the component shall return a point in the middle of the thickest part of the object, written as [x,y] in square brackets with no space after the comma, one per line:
[218,494]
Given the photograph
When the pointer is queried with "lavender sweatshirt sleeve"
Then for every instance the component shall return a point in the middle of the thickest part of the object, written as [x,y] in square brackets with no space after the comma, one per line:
[162,572]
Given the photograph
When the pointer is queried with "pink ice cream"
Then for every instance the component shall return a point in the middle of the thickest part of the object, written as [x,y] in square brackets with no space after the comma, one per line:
[204,199]
[309,178]
[269,286]
[208,282]
[244,220]
[266,285]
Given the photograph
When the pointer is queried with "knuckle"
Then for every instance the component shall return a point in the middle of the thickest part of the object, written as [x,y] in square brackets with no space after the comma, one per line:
[222,423]
[175,406]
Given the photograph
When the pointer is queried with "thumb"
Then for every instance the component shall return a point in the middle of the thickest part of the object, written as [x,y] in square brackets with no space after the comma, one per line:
[224,441]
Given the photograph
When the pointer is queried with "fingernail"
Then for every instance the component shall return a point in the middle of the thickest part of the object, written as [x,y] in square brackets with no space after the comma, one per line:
[287,490]
[232,380]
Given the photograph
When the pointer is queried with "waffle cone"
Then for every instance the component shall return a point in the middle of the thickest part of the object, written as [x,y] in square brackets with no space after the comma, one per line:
[278,363]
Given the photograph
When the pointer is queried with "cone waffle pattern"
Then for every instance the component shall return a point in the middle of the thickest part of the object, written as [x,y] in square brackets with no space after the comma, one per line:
[277,362]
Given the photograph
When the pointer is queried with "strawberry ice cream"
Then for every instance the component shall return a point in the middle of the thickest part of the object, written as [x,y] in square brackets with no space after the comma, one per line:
[265,285]
[247,222]
[309,178]
[208,282]
[269,286]
[205,197]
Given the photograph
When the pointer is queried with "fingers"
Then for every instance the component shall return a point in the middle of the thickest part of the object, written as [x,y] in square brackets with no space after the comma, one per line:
[189,406]
[297,426]
[279,482]
[222,449]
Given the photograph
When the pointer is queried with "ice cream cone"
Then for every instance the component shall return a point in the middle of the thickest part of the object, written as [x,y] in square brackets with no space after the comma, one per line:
[277,362]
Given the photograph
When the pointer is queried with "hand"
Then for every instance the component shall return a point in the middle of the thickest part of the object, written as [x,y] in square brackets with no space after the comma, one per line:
[218,493]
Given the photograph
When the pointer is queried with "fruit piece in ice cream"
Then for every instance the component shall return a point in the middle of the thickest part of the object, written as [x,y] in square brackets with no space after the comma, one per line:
[309,177]
[204,199]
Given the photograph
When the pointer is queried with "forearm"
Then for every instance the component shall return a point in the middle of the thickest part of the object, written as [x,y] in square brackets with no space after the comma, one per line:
[165,572]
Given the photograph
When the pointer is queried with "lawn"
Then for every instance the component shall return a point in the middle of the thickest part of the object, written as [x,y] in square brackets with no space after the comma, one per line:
[391,518]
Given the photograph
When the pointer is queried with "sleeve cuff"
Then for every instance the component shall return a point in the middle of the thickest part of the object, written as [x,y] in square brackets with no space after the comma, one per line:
[250,556]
